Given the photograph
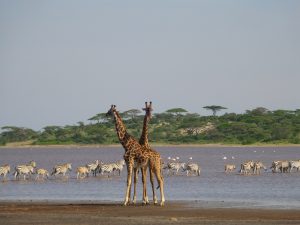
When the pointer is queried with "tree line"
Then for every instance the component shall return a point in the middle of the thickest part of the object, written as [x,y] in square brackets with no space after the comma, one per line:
[174,126]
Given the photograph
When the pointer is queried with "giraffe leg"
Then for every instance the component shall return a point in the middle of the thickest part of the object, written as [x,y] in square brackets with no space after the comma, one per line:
[160,181]
[144,176]
[152,184]
[129,181]
[135,172]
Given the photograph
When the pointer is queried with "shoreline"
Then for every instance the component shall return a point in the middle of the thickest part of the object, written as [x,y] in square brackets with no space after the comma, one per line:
[115,213]
[16,145]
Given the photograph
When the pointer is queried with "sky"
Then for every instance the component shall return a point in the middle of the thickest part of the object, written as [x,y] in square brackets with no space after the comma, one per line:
[62,62]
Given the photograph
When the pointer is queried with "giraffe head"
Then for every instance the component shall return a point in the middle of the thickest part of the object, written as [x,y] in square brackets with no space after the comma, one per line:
[148,109]
[111,111]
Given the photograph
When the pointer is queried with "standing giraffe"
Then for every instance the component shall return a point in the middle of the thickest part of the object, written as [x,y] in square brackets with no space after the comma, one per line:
[135,158]
[155,160]
[144,141]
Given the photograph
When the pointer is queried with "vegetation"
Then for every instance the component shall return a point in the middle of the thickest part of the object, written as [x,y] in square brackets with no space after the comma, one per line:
[175,126]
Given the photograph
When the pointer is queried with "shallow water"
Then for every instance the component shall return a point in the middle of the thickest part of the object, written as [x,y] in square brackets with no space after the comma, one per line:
[265,190]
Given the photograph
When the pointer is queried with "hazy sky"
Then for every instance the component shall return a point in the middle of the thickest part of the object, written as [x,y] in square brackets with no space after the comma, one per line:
[64,61]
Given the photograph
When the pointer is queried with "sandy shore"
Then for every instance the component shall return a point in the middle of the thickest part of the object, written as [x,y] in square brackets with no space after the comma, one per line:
[114,213]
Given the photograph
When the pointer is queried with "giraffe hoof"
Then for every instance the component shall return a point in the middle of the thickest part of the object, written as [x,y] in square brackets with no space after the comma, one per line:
[146,203]
[162,203]
[126,203]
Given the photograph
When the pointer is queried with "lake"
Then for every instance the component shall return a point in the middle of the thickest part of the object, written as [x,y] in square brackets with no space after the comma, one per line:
[265,190]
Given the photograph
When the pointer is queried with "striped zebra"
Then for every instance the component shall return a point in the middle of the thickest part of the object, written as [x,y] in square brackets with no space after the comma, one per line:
[257,167]
[4,170]
[229,168]
[106,168]
[274,166]
[118,166]
[42,173]
[61,169]
[93,167]
[246,167]
[192,168]
[82,172]
[174,166]
[294,164]
[282,166]
[27,169]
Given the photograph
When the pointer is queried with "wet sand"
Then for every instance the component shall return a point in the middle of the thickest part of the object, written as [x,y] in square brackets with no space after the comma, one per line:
[114,213]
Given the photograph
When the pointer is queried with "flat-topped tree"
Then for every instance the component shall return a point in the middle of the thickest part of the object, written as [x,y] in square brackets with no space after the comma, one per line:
[214,108]
[177,112]
[100,117]
[132,113]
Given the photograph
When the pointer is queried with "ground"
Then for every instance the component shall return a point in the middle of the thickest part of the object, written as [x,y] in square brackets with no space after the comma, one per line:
[115,213]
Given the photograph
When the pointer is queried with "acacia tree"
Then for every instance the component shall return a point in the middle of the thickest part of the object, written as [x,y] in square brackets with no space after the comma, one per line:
[100,117]
[214,108]
[176,111]
[132,113]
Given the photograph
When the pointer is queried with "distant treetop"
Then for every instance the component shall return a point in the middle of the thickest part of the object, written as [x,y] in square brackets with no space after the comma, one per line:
[214,108]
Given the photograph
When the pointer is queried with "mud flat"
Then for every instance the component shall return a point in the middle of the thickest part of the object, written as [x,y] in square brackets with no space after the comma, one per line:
[115,213]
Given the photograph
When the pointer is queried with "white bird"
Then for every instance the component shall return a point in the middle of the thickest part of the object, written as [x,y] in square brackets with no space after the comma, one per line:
[254,151]
[169,158]
[232,157]
[224,157]
[177,157]
[190,158]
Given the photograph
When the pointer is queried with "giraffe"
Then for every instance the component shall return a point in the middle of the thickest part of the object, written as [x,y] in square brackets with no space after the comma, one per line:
[144,136]
[134,156]
[155,160]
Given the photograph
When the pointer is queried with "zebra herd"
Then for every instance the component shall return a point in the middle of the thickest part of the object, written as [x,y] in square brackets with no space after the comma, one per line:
[251,167]
[29,169]
[172,167]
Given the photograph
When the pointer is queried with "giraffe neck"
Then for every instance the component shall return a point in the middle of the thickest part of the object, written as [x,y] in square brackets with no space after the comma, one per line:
[144,136]
[122,133]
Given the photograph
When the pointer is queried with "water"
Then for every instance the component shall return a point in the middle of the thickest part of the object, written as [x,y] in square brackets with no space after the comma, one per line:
[265,190]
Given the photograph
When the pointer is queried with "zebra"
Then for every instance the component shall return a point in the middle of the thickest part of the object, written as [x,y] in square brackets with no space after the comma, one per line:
[274,166]
[282,166]
[246,167]
[25,169]
[4,170]
[174,166]
[257,166]
[106,168]
[229,167]
[294,164]
[42,172]
[192,167]
[82,170]
[93,167]
[61,169]
[118,166]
